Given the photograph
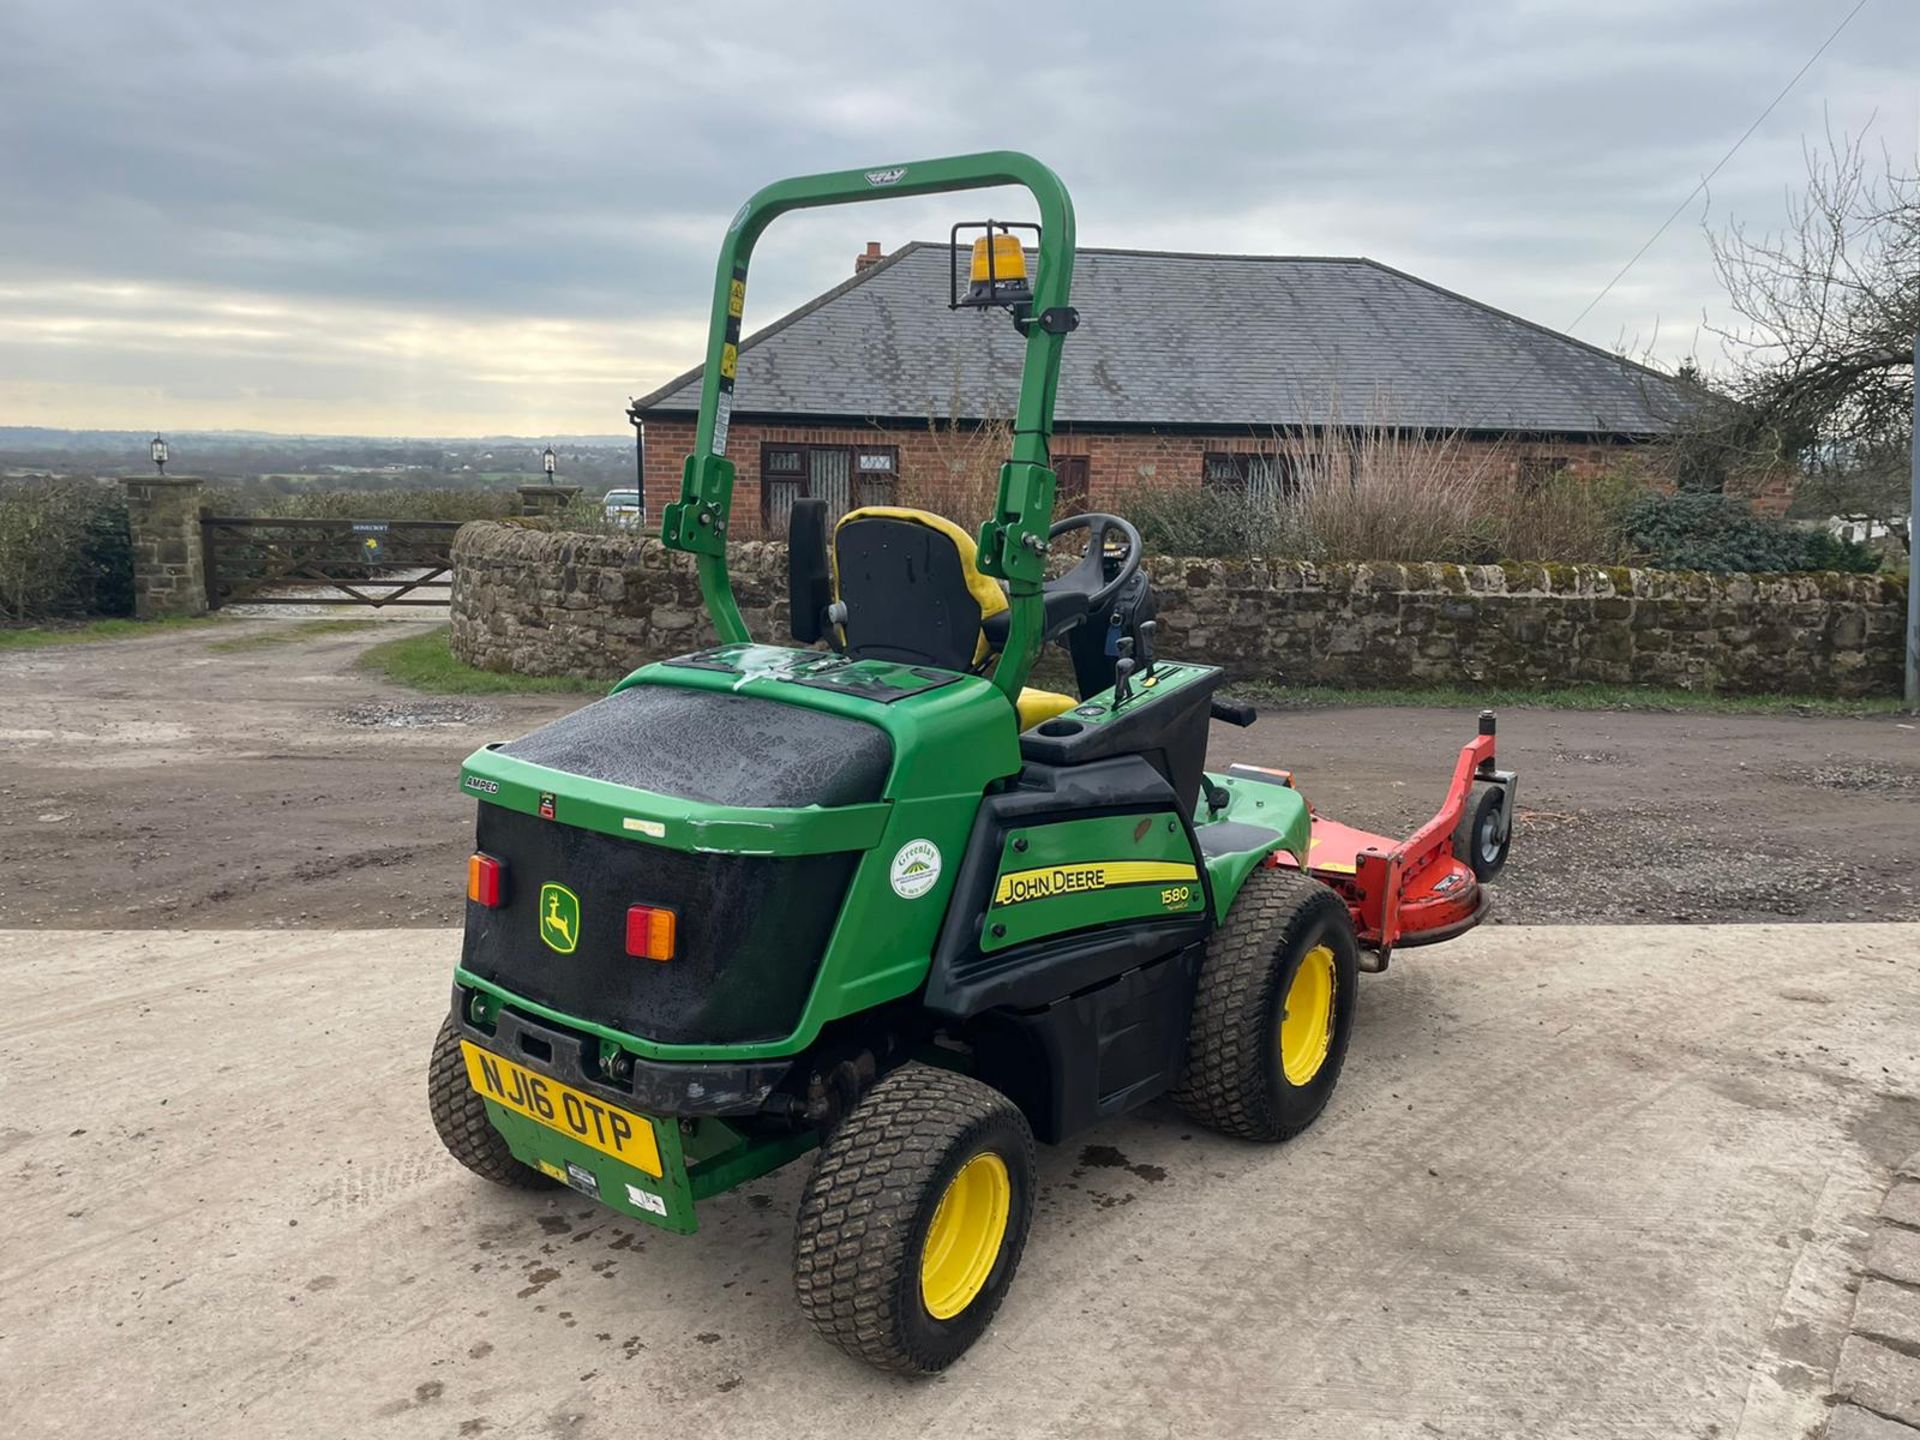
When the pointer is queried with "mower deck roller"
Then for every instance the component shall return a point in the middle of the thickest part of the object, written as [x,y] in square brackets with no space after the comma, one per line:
[869,895]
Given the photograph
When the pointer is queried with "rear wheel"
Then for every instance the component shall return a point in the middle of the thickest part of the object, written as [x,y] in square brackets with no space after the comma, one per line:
[914,1220]
[460,1116]
[1273,1010]
[1483,837]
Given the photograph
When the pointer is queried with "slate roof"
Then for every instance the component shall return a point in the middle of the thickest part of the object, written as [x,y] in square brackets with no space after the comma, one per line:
[1169,339]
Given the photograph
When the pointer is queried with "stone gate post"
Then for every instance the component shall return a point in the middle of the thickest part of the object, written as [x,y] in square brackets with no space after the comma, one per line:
[169,571]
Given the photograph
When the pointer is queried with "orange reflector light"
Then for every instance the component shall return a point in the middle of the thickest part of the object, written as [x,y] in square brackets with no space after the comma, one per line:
[650,932]
[486,880]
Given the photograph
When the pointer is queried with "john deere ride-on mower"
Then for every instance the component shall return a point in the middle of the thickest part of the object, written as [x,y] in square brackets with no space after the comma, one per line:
[871,895]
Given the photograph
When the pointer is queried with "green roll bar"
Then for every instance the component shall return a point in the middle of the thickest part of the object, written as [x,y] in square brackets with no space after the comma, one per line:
[1013,541]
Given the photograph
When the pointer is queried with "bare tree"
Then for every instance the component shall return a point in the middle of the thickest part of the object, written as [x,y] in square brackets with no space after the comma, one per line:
[1821,355]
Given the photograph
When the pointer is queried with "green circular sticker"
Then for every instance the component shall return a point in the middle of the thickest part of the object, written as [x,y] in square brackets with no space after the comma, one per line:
[915,869]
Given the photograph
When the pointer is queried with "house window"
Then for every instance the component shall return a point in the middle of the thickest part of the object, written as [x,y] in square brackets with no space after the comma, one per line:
[1271,476]
[845,476]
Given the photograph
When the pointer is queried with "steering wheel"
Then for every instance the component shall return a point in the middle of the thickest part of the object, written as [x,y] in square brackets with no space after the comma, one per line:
[1088,579]
[1085,589]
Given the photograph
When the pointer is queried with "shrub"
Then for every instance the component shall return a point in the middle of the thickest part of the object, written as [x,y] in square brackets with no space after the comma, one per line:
[1570,519]
[1210,523]
[102,581]
[1377,495]
[1718,532]
[1383,496]
[64,550]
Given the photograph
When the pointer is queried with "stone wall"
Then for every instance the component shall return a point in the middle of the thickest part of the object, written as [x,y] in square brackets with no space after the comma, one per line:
[1537,625]
[559,603]
[163,521]
[552,604]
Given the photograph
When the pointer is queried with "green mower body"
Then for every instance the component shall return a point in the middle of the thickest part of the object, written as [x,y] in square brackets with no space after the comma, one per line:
[869,893]
[863,868]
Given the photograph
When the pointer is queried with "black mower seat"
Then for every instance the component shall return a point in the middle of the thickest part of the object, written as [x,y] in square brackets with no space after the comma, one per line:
[911,589]
[913,594]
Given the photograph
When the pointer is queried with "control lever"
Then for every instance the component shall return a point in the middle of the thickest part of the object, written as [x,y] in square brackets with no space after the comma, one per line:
[1147,628]
[1123,672]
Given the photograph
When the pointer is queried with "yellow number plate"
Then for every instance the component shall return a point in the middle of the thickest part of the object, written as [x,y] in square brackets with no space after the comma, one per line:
[626,1137]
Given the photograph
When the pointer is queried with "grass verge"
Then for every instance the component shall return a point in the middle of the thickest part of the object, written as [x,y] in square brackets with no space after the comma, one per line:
[423,662]
[1564,697]
[84,632]
[291,634]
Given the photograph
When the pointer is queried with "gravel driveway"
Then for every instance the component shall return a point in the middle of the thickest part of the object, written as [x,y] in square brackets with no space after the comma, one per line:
[159,782]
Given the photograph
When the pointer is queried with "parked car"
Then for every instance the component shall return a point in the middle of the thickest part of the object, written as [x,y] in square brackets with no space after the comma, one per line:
[622,508]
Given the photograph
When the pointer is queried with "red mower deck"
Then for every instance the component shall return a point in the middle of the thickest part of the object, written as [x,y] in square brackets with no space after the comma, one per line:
[1427,887]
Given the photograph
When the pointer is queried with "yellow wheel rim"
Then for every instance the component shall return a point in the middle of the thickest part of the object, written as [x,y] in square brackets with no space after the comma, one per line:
[964,1239]
[1306,1024]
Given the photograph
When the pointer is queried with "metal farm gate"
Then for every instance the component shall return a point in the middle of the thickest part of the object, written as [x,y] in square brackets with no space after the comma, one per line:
[261,561]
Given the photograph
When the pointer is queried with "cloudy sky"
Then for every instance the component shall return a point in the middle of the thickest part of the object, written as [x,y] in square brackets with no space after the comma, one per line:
[482,218]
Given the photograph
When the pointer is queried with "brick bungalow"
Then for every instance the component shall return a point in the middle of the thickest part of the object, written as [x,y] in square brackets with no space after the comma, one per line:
[1238,371]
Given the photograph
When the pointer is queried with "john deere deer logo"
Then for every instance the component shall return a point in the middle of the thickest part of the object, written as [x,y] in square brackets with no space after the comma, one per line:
[559,918]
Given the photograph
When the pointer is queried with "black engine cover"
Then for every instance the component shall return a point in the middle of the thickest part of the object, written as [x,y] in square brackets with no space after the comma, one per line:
[751,929]
[750,934]
[715,747]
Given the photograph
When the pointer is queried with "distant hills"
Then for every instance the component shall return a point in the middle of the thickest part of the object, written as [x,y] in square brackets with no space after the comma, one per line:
[293,462]
[41,437]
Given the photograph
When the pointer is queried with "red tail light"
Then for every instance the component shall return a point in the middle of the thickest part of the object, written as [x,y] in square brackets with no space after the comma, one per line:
[650,932]
[486,880]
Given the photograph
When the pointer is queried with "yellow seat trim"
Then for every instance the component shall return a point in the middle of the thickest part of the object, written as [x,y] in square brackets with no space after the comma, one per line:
[1039,706]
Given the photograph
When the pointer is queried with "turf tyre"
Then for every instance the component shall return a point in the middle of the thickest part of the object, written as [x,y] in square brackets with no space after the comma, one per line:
[867,1209]
[460,1117]
[1233,1080]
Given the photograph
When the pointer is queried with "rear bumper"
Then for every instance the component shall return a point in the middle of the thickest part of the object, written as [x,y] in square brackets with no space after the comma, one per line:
[658,1087]
[565,1133]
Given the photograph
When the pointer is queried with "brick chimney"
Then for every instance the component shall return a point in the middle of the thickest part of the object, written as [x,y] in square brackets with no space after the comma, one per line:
[872,257]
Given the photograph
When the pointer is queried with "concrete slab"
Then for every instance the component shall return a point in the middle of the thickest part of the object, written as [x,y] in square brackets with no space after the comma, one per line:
[1902,1205]
[1600,1182]
[1895,1253]
[1850,1422]
[1888,1313]
[1879,1379]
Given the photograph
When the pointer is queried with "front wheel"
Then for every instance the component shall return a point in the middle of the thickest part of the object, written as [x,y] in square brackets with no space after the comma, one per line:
[1484,835]
[912,1225]
[1273,1009]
